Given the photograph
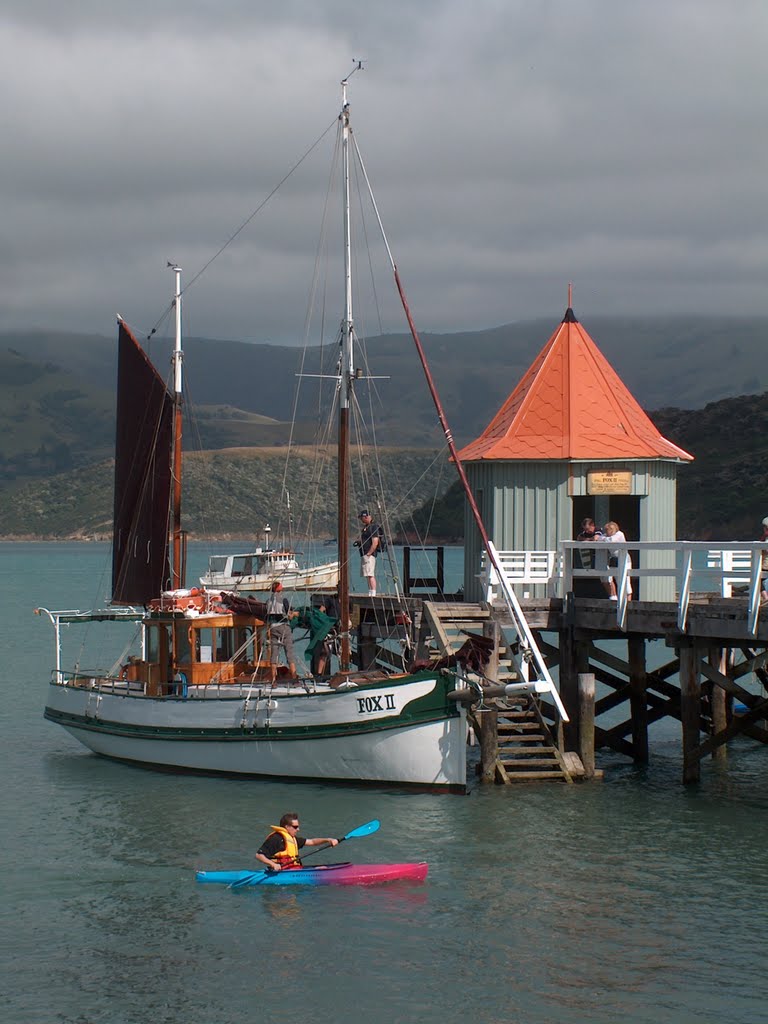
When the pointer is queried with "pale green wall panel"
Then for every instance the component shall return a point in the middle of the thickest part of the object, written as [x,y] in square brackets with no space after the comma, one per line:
[527,506]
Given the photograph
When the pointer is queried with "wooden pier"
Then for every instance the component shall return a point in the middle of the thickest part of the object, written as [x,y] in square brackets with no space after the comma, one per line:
[702,675]
[695,685]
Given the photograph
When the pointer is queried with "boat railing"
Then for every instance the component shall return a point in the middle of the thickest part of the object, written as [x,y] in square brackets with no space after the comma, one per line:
[715,569]
[86,679]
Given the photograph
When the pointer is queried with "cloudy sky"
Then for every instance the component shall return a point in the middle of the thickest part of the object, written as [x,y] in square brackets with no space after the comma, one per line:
[513,145]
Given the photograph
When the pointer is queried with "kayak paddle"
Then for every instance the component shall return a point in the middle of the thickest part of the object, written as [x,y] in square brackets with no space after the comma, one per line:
[357,833]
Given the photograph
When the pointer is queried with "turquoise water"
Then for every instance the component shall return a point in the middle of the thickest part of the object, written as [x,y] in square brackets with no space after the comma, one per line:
[632,900]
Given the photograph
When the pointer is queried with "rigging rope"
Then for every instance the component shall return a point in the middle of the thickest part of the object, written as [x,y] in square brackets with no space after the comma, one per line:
[247,221]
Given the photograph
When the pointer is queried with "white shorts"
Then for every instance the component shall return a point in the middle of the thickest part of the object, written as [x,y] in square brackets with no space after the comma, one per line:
[368,566]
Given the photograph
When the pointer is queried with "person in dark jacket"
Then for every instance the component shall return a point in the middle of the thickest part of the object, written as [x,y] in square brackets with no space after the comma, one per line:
[320,623]
[281,847]
[370,546]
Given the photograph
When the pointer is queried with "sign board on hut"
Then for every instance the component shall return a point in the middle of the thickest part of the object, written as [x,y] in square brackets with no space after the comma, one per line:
[609,482]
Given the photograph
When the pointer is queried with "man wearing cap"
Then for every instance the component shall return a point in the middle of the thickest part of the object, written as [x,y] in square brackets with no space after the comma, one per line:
[279,617]
[370,545]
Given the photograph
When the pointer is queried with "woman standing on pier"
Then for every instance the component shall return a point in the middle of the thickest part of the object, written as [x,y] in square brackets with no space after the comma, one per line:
[612,532]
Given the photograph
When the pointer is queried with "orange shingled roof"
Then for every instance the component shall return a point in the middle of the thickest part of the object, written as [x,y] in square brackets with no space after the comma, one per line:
[571,404]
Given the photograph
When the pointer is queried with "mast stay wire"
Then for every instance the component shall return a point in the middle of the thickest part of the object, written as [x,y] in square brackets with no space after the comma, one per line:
[245,223]
[387,514]
[322,242]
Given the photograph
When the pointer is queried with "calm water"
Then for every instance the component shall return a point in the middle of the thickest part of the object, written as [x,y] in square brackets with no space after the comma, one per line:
[631,900]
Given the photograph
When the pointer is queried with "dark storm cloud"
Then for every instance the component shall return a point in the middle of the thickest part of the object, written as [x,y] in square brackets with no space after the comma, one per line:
[512,147]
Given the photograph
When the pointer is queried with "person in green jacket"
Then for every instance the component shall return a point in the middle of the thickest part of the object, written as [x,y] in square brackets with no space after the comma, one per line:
[319,623]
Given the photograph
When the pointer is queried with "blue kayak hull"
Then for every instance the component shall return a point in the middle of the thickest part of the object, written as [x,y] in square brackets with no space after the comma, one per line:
[325,874]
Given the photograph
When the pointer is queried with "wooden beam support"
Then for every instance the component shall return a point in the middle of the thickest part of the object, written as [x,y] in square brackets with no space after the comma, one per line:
[719,658]
[492,630]
[439,634]
[587,722]
[722,680]
[573,660]
[690,711]
[638,697]
[605,738]
[738,725]
[752,663]
[489,744]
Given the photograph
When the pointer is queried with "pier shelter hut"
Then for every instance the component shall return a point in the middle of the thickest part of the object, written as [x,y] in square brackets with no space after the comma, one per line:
[570,442]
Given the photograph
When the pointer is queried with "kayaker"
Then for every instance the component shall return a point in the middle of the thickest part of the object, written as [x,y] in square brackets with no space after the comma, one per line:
[281,847]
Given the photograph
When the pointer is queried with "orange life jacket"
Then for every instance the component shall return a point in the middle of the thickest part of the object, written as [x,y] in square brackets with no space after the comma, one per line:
[289,856]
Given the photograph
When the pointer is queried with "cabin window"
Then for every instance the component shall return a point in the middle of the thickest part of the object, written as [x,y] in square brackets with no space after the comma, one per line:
[218,563]
[183,647]
[244,641]
[226,647]
[242,566]
[153,643]
[204,645]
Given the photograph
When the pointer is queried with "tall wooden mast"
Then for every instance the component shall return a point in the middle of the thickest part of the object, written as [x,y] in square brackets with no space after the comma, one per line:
[177,567]
[346,378]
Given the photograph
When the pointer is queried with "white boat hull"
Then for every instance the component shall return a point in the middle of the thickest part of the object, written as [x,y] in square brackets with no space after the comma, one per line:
[355,735]
[317,577]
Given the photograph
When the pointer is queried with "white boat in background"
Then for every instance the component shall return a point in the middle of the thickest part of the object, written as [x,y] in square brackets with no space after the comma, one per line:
[256,571]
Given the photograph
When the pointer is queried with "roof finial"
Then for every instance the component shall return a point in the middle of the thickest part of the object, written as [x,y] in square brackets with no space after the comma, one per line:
[570,316]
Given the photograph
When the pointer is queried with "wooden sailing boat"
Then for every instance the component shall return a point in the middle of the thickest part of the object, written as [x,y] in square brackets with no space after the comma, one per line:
[199,695]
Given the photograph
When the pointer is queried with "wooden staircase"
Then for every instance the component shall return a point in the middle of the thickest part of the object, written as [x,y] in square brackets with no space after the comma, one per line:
[444,628]
[514,727]
[526,749]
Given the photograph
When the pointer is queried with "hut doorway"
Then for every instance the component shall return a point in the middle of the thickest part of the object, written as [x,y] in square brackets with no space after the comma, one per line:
[624,509]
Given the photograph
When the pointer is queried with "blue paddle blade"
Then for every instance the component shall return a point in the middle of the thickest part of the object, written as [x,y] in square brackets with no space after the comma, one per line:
[364,830]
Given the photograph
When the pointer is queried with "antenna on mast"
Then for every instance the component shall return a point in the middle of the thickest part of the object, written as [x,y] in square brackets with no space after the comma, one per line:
[358,66]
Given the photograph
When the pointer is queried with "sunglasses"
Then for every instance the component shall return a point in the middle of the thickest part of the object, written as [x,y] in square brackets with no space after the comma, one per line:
[296,826]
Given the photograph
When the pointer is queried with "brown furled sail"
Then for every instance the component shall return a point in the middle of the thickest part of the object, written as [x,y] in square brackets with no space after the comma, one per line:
[143,449]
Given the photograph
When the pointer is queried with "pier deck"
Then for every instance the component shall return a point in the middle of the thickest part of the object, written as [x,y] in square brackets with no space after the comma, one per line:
[709,661]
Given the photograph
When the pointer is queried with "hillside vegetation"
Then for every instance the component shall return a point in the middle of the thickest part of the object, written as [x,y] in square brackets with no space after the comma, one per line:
[60,384]
[57,420]
[232,493]
[721,494]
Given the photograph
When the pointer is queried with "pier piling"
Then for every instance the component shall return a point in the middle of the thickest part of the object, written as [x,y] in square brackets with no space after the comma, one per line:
[587,723]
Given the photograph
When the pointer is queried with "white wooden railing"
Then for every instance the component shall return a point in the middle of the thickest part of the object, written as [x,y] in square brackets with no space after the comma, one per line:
[719,569]
[532,670]
[735,566]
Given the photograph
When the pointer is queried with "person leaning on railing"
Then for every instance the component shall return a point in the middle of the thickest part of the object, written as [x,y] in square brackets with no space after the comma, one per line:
[764,565]
[589,532]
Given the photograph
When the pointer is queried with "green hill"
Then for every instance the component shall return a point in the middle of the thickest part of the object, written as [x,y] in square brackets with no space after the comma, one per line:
[684,362]
[57,417]
[232,493]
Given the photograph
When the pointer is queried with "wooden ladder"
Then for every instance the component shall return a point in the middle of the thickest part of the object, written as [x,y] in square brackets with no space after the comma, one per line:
[444,628]
[526,749]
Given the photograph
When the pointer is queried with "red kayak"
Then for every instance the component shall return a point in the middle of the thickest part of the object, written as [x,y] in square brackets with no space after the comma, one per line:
[322,874]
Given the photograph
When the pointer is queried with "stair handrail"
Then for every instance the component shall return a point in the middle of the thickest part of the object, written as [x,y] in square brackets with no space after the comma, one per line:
[543,683]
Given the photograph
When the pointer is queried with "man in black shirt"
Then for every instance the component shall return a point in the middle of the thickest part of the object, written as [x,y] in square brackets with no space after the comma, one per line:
[370,545]
[281,847]
[589,532]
